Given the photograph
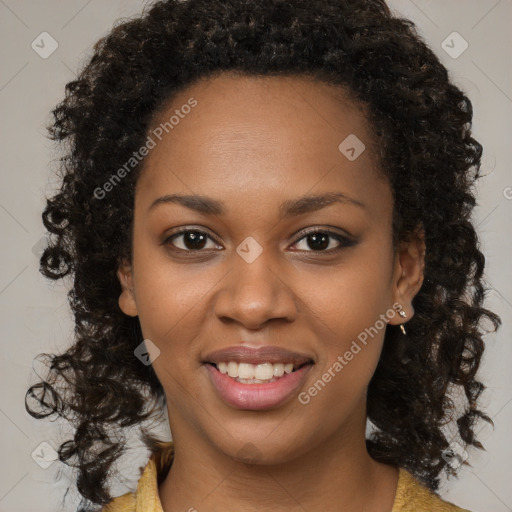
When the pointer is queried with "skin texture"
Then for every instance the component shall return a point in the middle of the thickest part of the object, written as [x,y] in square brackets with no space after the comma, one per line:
[254,143]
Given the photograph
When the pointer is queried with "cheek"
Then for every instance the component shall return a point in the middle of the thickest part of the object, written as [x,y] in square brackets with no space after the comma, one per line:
[351,308]
[170,301]
[348,352]
[352,297]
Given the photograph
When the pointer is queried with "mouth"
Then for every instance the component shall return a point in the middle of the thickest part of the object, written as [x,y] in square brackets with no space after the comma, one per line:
[257,378]
[248,373]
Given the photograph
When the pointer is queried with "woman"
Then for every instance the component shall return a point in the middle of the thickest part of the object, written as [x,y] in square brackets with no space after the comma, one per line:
[265,208]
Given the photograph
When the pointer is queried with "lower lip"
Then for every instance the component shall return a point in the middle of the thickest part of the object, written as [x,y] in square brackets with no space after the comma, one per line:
[257,396]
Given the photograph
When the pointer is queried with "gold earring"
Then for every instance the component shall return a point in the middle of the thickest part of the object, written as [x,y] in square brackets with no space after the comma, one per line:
[402,328]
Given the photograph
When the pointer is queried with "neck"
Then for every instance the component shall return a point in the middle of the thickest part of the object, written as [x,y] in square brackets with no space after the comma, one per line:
[337,474]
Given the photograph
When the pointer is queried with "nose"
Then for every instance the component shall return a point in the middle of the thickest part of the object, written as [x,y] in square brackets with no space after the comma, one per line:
[254,293]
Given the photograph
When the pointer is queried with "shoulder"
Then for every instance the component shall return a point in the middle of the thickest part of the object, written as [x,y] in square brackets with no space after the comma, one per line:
[125,503]
[146,495]
[131,501]
[412,496]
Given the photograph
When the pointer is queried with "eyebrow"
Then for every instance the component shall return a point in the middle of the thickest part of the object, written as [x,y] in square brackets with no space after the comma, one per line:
[289,208]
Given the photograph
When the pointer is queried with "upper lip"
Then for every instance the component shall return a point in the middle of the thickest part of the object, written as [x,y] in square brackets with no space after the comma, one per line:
[257,355]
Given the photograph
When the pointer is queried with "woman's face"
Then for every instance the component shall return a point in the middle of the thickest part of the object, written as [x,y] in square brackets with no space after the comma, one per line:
[258,165]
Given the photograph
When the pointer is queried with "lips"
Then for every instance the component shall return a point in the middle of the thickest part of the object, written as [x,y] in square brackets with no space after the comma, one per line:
[252,394]
[257,355]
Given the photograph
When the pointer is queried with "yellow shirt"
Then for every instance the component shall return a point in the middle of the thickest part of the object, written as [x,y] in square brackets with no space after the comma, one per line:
[411,495]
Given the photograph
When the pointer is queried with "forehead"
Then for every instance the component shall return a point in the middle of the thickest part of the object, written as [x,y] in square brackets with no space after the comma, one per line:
[260,135]
[236,108]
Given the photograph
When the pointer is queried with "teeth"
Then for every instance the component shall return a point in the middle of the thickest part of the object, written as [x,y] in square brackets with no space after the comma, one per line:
[233,369]
[246,371]
[264,371]
[279,369]
[253,373]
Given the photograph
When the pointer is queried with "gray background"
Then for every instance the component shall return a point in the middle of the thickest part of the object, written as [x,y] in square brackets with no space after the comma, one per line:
[34,314]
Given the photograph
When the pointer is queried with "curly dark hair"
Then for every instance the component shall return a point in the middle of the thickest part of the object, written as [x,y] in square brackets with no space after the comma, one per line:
[426,151]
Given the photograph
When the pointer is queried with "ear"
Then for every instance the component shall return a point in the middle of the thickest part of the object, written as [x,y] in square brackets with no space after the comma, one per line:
[408,275]
[127,298]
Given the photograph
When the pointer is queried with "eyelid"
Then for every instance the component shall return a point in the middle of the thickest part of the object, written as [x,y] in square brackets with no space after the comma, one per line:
[335,232]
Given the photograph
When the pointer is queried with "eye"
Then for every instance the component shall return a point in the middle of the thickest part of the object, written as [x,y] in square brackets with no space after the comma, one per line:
[191,240]
[319,240]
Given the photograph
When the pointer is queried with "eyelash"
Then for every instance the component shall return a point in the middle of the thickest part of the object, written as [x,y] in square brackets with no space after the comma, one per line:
[344,241]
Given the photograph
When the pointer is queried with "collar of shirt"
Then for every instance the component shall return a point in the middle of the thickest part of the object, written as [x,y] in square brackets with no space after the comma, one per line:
[411,495]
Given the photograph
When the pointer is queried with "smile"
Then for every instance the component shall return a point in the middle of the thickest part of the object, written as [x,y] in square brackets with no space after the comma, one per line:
[257,394]
[248,373]
[256,378]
